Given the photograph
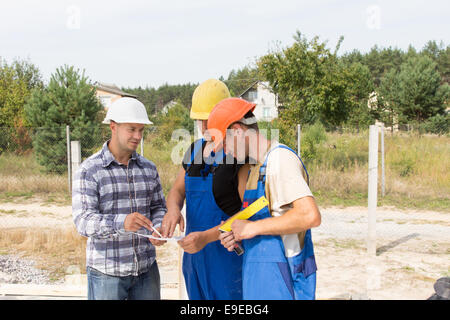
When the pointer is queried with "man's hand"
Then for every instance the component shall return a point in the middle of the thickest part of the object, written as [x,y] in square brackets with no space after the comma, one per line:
[157,242]
[243,229]
[193,242]
[170,221]
[227,240]
[135,221]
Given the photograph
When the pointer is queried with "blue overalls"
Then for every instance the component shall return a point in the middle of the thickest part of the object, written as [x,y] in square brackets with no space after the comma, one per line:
[267,273]
[213,273]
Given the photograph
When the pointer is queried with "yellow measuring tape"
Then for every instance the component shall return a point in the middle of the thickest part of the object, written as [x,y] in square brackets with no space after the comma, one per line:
[246,213]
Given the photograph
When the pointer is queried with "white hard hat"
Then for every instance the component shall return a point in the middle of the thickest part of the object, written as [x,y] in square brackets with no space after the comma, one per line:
[127,110]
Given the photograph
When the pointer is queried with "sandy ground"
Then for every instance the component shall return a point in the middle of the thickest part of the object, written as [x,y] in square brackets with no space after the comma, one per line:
[413,249]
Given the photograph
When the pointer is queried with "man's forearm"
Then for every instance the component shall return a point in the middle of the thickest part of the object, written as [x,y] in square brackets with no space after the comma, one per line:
[96,225]
[295,220]
[212,234]
[86,216]
[175,200]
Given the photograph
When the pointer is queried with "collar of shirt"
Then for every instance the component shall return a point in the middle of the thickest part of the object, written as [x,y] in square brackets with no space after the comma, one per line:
[108,157]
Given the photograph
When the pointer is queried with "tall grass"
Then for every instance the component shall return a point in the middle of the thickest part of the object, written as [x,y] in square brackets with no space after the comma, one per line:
[417,170]
[22,174]
[159,151]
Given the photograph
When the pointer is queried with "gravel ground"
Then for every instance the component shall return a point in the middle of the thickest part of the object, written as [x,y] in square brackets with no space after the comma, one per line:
[14,269]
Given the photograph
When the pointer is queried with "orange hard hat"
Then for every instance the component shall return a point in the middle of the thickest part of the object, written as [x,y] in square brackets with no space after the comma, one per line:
[225,113]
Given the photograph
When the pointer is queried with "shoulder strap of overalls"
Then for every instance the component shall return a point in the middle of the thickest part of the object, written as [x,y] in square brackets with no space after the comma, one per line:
[262,169]
[209,167]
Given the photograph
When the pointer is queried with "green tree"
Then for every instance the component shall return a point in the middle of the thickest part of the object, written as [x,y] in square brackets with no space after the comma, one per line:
[415,93]
[387,100]
[177,117]
[155,99]
[443,62]
[438,124]
[378,60]
[16,82]
[314,84]
[441,55]
[382,60]
[69,99]
[361,85]
[240,80]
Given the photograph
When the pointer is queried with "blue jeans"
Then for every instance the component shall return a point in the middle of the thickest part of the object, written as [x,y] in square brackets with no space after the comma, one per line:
[145,286]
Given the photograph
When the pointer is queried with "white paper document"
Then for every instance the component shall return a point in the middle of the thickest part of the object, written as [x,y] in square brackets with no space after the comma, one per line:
[156,238]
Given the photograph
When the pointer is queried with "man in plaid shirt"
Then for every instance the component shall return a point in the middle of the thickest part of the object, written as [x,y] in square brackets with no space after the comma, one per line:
[115,192]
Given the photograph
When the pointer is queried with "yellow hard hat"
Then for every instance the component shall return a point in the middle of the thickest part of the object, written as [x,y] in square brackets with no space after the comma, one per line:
[206,96]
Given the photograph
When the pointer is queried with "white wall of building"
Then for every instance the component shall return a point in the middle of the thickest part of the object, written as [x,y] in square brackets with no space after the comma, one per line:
[266,102]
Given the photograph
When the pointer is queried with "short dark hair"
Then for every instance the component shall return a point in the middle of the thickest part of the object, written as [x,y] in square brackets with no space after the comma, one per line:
[253,126]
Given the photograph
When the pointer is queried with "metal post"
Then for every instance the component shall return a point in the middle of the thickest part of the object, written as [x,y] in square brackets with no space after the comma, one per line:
[69,160]
[298,139]
[383,181]
[372,190]
[75,147]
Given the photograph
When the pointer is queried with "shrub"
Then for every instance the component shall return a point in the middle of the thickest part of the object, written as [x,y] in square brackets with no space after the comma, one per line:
[438,124]
[311,140]
[177,117]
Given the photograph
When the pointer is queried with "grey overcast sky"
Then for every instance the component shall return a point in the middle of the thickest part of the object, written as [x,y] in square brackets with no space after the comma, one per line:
[139,43]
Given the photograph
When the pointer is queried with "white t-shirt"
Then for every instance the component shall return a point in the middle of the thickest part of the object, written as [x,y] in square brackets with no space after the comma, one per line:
[284,184]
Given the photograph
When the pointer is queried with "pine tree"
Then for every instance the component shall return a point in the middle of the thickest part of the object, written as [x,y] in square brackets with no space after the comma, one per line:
[69,99]
[415,93]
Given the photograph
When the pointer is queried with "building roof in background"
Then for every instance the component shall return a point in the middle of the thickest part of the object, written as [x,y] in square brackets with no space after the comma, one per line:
[254,86]
[112,88]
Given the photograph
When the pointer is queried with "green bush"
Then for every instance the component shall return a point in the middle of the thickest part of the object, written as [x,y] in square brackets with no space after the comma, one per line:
[438,124]
[177,117]
[312,138]
[405,165]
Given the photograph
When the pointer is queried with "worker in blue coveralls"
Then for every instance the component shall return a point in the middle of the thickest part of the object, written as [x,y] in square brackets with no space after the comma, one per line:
[279,260]
[213,186]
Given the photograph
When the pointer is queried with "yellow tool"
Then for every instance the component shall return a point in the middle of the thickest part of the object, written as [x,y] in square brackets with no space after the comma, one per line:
[246,213]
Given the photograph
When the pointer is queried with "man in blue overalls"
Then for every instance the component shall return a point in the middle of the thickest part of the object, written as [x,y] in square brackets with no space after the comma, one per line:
[279,260]
[213,186]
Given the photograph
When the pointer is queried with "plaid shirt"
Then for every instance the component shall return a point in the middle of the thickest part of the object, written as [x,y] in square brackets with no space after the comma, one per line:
[104,192]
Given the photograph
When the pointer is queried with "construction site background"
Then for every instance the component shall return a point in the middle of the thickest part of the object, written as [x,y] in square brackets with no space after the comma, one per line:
[413,221]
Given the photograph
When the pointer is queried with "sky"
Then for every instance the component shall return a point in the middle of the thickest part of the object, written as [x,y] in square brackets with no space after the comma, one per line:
[149,43]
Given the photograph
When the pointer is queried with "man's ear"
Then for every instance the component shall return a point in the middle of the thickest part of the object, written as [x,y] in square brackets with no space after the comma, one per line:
[237,127]
[241,129]
[112,126]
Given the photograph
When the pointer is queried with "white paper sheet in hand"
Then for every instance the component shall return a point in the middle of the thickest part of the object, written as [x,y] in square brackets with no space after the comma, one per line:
[156,238]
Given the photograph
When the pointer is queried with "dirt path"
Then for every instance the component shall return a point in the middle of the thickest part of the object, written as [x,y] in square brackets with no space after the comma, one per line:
[37,214]
[413,249]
